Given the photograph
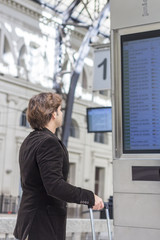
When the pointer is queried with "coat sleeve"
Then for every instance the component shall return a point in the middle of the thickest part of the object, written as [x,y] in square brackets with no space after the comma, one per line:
[50,163]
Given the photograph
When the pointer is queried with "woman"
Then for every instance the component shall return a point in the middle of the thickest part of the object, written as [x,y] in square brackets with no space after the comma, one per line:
[44,169]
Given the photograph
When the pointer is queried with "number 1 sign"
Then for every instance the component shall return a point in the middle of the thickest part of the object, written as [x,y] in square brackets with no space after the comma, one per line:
[101,77]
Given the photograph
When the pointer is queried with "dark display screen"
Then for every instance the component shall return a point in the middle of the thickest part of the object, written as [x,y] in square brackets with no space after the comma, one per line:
[99,119]
[140,54]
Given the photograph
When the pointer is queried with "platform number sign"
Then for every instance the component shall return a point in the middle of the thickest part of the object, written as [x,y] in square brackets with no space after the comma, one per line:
[101,79]
[104,70]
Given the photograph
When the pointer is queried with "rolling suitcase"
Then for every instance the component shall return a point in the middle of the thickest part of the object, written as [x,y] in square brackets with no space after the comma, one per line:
[108,221]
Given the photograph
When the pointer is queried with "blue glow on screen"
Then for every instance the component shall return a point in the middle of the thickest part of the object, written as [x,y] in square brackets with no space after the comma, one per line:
[99,119]
[141,94]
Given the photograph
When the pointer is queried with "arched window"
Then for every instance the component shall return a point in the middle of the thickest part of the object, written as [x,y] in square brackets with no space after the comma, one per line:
[74,129]
[21,58]
[23,120]
[101,138]
[21,62]
[7,54]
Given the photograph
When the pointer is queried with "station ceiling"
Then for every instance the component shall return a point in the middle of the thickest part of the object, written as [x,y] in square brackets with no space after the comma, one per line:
[79,12]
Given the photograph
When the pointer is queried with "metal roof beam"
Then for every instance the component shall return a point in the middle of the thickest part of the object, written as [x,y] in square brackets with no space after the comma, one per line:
[85,6]
[62,35]
[82,25]
[82,53]
[67,14]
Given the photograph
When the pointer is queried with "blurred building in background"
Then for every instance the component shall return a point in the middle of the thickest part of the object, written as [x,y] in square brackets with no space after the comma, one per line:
[28,49]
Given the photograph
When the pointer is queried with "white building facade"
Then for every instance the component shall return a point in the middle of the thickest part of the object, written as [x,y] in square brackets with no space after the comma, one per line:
[27,52]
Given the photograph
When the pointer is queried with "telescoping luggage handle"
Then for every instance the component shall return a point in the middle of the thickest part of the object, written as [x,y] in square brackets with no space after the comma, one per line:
[106,207]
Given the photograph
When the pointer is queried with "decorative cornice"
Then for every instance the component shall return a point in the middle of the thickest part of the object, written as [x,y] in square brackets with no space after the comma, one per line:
[34,11]
[7,79]
[79,35]
[29,11]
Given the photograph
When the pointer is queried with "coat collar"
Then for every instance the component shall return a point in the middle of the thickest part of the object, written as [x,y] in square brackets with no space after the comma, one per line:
[49,132]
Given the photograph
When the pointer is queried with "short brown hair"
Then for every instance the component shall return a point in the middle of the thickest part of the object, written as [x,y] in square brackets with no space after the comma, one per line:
[41,107]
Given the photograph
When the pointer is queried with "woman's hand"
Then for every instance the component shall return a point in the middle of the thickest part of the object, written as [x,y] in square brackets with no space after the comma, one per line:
[98,203]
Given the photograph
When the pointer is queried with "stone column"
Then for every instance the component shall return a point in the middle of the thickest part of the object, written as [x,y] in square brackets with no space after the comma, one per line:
[10,144]
[16,190]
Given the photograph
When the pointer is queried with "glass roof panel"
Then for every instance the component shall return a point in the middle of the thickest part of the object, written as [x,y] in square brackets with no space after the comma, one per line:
[86,11]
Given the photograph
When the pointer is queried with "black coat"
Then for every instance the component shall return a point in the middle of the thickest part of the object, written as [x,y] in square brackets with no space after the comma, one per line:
[44,169]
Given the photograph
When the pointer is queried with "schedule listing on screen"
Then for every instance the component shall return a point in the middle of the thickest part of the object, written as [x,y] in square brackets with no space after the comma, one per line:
[140,54]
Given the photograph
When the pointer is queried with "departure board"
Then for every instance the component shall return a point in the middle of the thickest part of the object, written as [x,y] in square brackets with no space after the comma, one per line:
[141,92]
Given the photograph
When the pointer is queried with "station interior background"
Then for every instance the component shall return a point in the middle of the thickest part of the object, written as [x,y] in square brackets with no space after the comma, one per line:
[42,45]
